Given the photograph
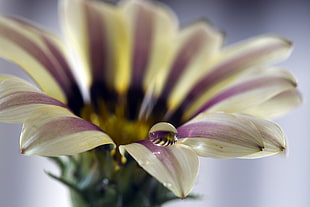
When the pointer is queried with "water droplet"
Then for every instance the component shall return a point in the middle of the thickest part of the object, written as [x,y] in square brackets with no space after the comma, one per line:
[163,134]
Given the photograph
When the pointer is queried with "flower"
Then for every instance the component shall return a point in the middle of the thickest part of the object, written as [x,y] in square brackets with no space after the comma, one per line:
[163,95]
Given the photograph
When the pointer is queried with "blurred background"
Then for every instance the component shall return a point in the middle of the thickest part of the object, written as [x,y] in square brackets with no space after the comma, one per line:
[270,182]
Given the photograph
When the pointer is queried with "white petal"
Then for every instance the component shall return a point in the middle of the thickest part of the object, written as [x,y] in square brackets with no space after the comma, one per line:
[18,98]
[55,131]
[40,54]
[175,166]
[221,135]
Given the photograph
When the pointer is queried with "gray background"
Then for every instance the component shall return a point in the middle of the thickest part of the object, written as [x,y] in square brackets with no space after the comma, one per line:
[269,182]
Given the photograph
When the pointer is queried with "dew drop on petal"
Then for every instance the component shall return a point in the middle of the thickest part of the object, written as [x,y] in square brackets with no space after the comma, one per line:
[163,134]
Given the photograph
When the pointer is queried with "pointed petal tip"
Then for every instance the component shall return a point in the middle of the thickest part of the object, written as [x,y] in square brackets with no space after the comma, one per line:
[22,150]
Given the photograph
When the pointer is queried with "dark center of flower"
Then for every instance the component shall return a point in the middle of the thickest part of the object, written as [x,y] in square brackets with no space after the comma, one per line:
[130,117]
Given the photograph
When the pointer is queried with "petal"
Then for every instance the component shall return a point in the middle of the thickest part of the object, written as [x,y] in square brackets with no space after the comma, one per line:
[18,98]
[41,55]
[221,135]
[55,131]
[98,37]
[235,60]
[273,136]
[249,92]
[175,166]
[197,44]
[277,105]
[152,30]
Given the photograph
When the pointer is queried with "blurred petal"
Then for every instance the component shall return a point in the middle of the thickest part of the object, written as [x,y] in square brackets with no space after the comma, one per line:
[152,29]
[41,55]
[55,131]
[175,166]
[232,62]
[18,98]
[75,31]
[221,135]
[250,92]
[276,105]
[97,35]
[197,45]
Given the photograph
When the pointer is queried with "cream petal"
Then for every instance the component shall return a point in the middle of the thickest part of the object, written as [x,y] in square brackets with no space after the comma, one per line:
[273,137]
[197,46]
[250,92]
[98,37]
[18,98]
[221,135]
[55,131]
[175,166]
[75,31]
[152,31]
[233,62]
[277,105]
[241,130]
[41,55]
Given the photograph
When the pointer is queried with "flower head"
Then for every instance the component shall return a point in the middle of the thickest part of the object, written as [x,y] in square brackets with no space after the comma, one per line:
[162,94]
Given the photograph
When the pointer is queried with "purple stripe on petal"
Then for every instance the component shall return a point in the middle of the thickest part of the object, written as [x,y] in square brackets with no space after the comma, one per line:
[54,62]
[27,98]
[216,131]
[69,125]
[59,68]
[243,88]
[186,54]
[97,42]
[228,68]
[199,129]
[61,127]
[164,155]
[65,74]
[143,35]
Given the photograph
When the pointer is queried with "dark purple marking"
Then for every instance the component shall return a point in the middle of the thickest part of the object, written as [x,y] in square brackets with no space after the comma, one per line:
[226,69]
[242,88]
[162,153]
[63,127]
[27,98]
[185,55]
[54,61]
[143,37]
[215,131]
[97,43]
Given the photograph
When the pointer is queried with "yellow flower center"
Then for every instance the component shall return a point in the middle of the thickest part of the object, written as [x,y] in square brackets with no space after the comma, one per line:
[117,126]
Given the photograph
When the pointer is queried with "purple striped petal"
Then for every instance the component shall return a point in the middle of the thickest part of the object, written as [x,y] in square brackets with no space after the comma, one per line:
[250,92]
[143,29]
[197,43]
[236,60]
[43,58]
[277,105]
[98,35]
[18,98]
[273,137]
[221,135]
[175,166]
[54,131]
[152,31]
[97,42]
